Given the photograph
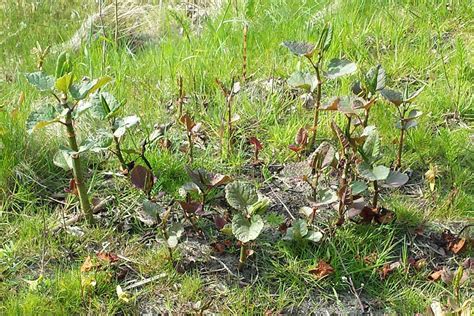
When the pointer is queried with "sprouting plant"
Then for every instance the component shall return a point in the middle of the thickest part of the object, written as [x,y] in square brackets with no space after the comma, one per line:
[247,224]
[371,171]
[64,110]
[257,148]
[312,83]
[372,82]
[203,182]
[319,161]
[301,141]
[170,231]
[406,115]
[40,54]
[231,118]
[192,131]
[105,106]
[299,231]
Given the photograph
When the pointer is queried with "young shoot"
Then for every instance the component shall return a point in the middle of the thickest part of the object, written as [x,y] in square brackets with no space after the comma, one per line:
[63,109]
[407,115]
[247,224]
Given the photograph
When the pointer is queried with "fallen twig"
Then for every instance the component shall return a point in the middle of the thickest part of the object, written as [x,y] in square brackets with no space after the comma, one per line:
[144,282]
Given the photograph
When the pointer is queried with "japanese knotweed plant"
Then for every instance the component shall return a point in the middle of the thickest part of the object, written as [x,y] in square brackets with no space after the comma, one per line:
[407,115]
[312,82]
[63,109]
[105,106]
[247,224]
[370,170]
[367,88]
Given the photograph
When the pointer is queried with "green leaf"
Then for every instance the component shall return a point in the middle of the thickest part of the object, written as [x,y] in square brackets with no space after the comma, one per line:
[375,79]
[63,158]
[45,116]
[151,209]
[303,80]
[392,96]
[246,230]
[62,64]
[325,197]
[240,195]
[175,231]
[300,48]
[121,125]
[297,231]
[327,38]
[395,179]
[314,236]
[357,187]
[377,173]
[258,207]
[63,83]
[40,80]
[98,142]
[340,67]
[81,91]
[371,147]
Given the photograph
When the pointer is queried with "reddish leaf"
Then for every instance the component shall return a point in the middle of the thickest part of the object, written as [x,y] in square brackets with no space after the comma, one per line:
[192,207]
[254,141]
[220,222]
[458,245]
[301,137]
[72,187]
[219,179]
[322,270]
[142,178]
[187,121]
[218,247]
[107,256]
[295,148]
[388,268]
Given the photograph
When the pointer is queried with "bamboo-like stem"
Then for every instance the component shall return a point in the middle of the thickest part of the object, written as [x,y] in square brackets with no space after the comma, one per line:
[243,256]
[375,199]
[318,100]
[244,53]
[76,164]
[398,164]
[118,153]
[191,146]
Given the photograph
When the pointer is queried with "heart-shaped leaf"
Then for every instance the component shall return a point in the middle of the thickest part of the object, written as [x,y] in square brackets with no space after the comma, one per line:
[63,83]
[303,80]
[377,173]
[121,125]
[375,79]
[395,179]
[297,231]
[258,207]
[300,48]
[357,187]
[371,147]
[42,117]
[175,231]
[142,178]
[240,195]
[314,236]
[393,96]
[40,80]
[340,67]
[63,159]
[245,229]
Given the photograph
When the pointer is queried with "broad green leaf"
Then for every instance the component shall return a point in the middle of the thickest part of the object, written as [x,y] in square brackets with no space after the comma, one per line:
[240,195]
[303,80]
[314,236]
[151,209]
[175,231]
[121,125]
[371,146]
[375,79]
[297,231]
[81,91]
[406,124]
[42,117]
[189,187]
[259,207]
[98,142]
[414,114]
[325,197]
[340,67]
[300,48]
[306,211]
[326,43]
[393,96]
[63,64]
[63,159]
[40,80]
[377,173]
[246,230]
[357,187]
[395,179]
[63,83]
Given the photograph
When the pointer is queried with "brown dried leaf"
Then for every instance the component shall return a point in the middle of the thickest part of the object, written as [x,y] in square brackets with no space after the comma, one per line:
[107,256]
[88,265]
[322,270]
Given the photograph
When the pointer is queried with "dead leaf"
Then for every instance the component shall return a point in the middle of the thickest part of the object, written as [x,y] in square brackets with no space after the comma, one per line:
[436,275]
[107,256]
[457,246]
[322,270]
[218,247]
[88,265]
[388,268]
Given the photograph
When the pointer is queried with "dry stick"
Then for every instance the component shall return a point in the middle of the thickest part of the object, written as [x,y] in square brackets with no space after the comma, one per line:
[244,54]
[284,205]
[318,100]
[76,164]
[144,282]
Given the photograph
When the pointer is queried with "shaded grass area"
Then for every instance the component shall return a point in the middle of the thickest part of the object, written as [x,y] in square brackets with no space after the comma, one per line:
[422,42]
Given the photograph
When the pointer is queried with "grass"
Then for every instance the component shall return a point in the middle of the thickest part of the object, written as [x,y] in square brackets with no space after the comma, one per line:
[414,41]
